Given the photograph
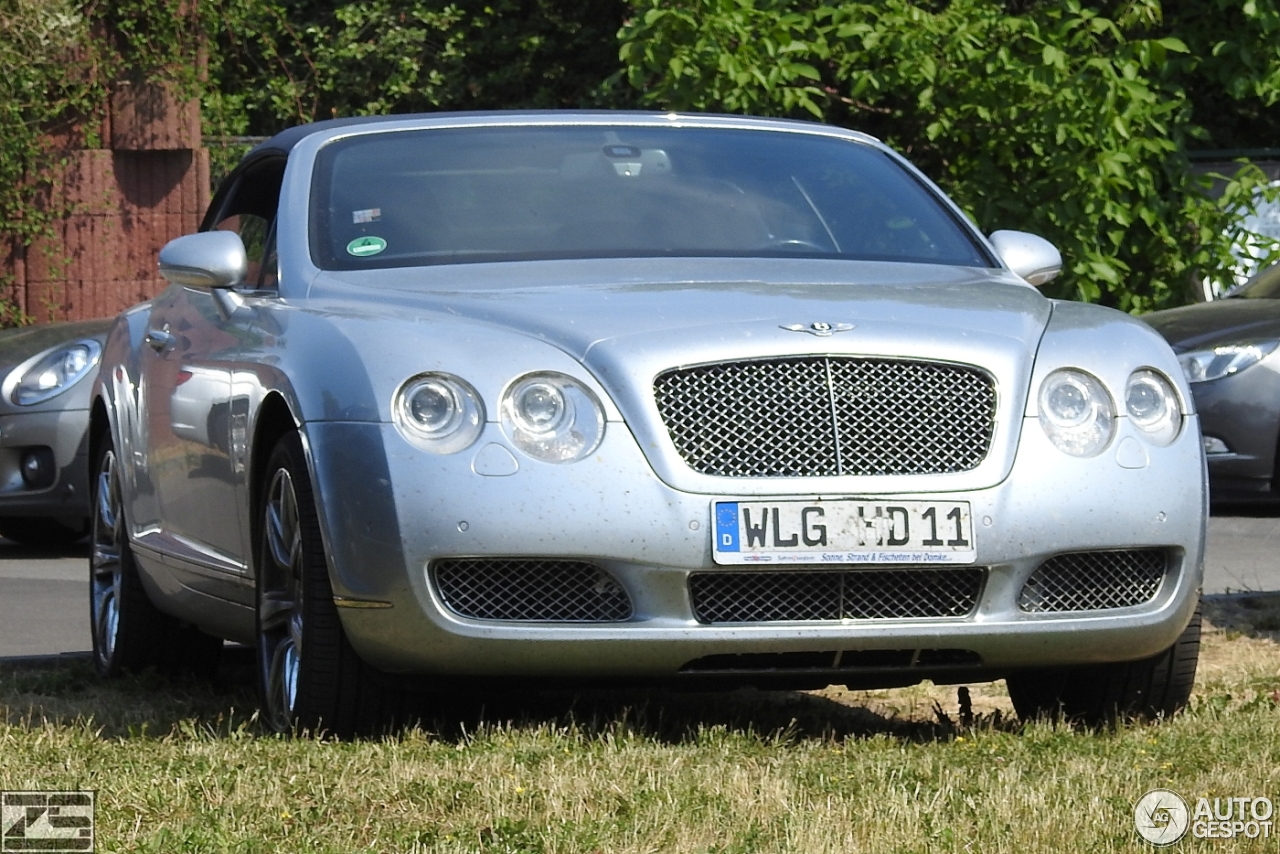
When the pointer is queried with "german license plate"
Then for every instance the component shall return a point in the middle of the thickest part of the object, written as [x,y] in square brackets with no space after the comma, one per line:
[843,531]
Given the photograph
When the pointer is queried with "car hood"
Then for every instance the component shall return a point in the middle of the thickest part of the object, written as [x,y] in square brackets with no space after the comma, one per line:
[661,306]
[1220,322]
[621,326]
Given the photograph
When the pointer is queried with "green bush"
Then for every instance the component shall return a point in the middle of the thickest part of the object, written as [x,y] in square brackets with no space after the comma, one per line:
[58,62]
[1047,117]
[47,78]
[275,63]
[1066,119]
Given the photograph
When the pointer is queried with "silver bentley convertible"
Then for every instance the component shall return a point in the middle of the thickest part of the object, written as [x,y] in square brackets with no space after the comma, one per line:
[602,397]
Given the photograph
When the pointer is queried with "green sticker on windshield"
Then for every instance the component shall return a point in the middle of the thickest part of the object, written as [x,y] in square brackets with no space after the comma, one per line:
[363,247]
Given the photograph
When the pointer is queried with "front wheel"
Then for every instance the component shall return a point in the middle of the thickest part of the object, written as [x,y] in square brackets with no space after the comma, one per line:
[129,632]
[1150,688]
[309,677]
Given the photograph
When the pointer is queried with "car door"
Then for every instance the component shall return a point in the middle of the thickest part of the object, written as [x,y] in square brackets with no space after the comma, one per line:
[195,452]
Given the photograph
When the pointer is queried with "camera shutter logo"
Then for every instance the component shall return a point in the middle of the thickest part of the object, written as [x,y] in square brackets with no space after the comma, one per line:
[1161,817]
[46,821]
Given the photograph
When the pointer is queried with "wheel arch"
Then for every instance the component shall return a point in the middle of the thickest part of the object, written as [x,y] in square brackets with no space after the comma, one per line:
[1275,462]
[275,419]
[99,427]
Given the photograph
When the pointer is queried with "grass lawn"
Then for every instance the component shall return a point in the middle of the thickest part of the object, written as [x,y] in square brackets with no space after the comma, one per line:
[183,767]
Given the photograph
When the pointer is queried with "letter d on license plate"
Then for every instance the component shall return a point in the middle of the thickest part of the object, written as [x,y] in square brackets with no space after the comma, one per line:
[842,531]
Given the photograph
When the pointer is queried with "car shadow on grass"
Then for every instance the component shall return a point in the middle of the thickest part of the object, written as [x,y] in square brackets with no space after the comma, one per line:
[1253,614]
[151,705]
[679,717]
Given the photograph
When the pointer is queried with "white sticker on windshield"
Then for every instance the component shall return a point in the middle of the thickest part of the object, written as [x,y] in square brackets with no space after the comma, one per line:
[366,215]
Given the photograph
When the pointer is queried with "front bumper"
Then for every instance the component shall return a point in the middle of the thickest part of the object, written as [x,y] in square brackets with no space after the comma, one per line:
[388,510]
[60,436]
[1242,411]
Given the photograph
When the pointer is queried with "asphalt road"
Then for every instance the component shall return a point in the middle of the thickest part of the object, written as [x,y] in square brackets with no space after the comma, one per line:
[44,600]
[44,596]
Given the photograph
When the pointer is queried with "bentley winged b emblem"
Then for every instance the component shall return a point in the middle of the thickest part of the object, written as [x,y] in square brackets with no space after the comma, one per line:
[820,328]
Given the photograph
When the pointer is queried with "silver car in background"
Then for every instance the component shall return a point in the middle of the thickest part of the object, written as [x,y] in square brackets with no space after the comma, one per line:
[592,397]
[48,372]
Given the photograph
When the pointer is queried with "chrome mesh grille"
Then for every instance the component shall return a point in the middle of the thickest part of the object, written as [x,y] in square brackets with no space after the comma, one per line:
[559,591]
[1093,581]
[828,415]
[862,594]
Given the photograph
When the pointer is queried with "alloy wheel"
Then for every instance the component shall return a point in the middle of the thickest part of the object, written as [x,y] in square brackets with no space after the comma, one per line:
[106,562]
[280,623]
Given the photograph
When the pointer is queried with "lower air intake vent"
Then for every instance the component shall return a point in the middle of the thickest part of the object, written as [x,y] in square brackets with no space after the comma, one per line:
[1095,581]
[530,590]
[863,594]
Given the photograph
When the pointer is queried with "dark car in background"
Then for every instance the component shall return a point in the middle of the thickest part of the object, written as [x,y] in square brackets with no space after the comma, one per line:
[1228,350]
[48,372]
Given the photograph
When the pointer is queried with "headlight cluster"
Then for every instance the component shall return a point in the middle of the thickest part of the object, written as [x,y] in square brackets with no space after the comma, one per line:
[51,373]
[1079,416]
[549,416]
[1203,365]
[552,417]
[1076,412]
[1152,405]
[439,412]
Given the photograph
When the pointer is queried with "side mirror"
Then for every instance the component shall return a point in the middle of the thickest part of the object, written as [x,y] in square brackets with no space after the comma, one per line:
[1033,258]
[210,259]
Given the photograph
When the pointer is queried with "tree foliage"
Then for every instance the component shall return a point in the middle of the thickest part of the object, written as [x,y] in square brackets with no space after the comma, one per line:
[275,63]
[1065,119]
[58,62]
[262,65]
[46,79]
[1071,118]
[1230,72]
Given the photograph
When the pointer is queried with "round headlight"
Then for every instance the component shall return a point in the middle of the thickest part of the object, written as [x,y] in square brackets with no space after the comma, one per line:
[1152,405]
[552,417]
[53,372]
[439,413]
[1076,412]
[538,407]
[434,406]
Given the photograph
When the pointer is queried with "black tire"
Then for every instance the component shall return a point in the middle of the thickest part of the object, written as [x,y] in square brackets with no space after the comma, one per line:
[309,677]
[1150,688]
[129,632]
[42,532]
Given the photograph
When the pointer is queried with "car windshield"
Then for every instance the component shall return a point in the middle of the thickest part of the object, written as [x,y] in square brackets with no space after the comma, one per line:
[455,195]
[1265,285]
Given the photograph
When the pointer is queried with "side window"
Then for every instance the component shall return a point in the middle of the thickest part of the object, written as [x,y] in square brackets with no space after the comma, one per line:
[247,206]
[270,276]
[253,232]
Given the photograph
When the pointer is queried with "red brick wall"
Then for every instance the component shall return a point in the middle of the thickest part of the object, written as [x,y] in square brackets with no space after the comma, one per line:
[125,202]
